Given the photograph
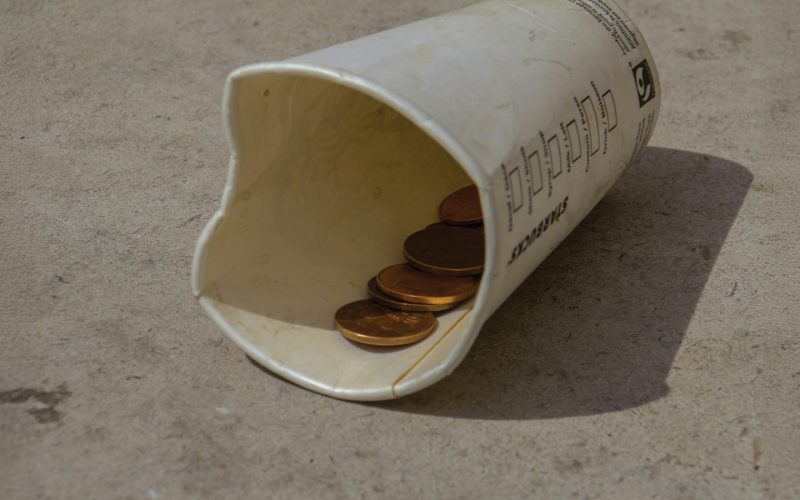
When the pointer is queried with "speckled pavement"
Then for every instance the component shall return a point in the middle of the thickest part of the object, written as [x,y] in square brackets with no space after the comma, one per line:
[655,354]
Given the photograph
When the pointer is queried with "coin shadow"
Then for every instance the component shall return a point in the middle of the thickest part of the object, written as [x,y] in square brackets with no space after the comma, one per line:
[596,327]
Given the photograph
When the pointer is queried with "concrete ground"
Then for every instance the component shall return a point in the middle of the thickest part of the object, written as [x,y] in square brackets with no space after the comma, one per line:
[655,354]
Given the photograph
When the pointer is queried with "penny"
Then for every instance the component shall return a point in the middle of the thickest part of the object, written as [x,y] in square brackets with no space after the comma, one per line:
[474,227]
[370,323]
[462,208]
[381,298]
[405,282]
[446,250]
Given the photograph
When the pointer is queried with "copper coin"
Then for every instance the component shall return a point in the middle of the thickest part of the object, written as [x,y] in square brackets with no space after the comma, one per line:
[404,282]
[369,323]
[381,298]
[446,250]
[462,208]
[474,227]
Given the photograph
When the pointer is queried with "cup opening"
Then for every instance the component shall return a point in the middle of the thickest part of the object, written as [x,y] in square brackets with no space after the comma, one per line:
[327,184]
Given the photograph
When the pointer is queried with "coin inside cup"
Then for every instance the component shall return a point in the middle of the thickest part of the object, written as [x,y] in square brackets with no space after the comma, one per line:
[370,323]
[474,227]
[462,208]
[446,250]
[376,294]
[405,282]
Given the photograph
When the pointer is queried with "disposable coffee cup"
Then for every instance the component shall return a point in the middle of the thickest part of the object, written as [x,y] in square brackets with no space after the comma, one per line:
[339,155]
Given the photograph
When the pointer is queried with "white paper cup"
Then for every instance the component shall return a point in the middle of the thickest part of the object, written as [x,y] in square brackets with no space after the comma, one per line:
[339,155]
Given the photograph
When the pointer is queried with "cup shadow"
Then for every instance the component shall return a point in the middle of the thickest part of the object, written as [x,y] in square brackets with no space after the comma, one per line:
[596,327]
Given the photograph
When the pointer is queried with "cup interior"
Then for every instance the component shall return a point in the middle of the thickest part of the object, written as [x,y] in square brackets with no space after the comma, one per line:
[326,184]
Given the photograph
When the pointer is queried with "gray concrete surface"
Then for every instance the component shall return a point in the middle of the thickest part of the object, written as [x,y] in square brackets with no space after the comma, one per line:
[655,354]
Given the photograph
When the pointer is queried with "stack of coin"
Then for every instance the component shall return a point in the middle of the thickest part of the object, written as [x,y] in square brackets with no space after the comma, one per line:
[444,263]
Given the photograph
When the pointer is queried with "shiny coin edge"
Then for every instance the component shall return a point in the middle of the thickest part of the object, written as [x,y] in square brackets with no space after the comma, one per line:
[420,299]
[442,271]
[376,294]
